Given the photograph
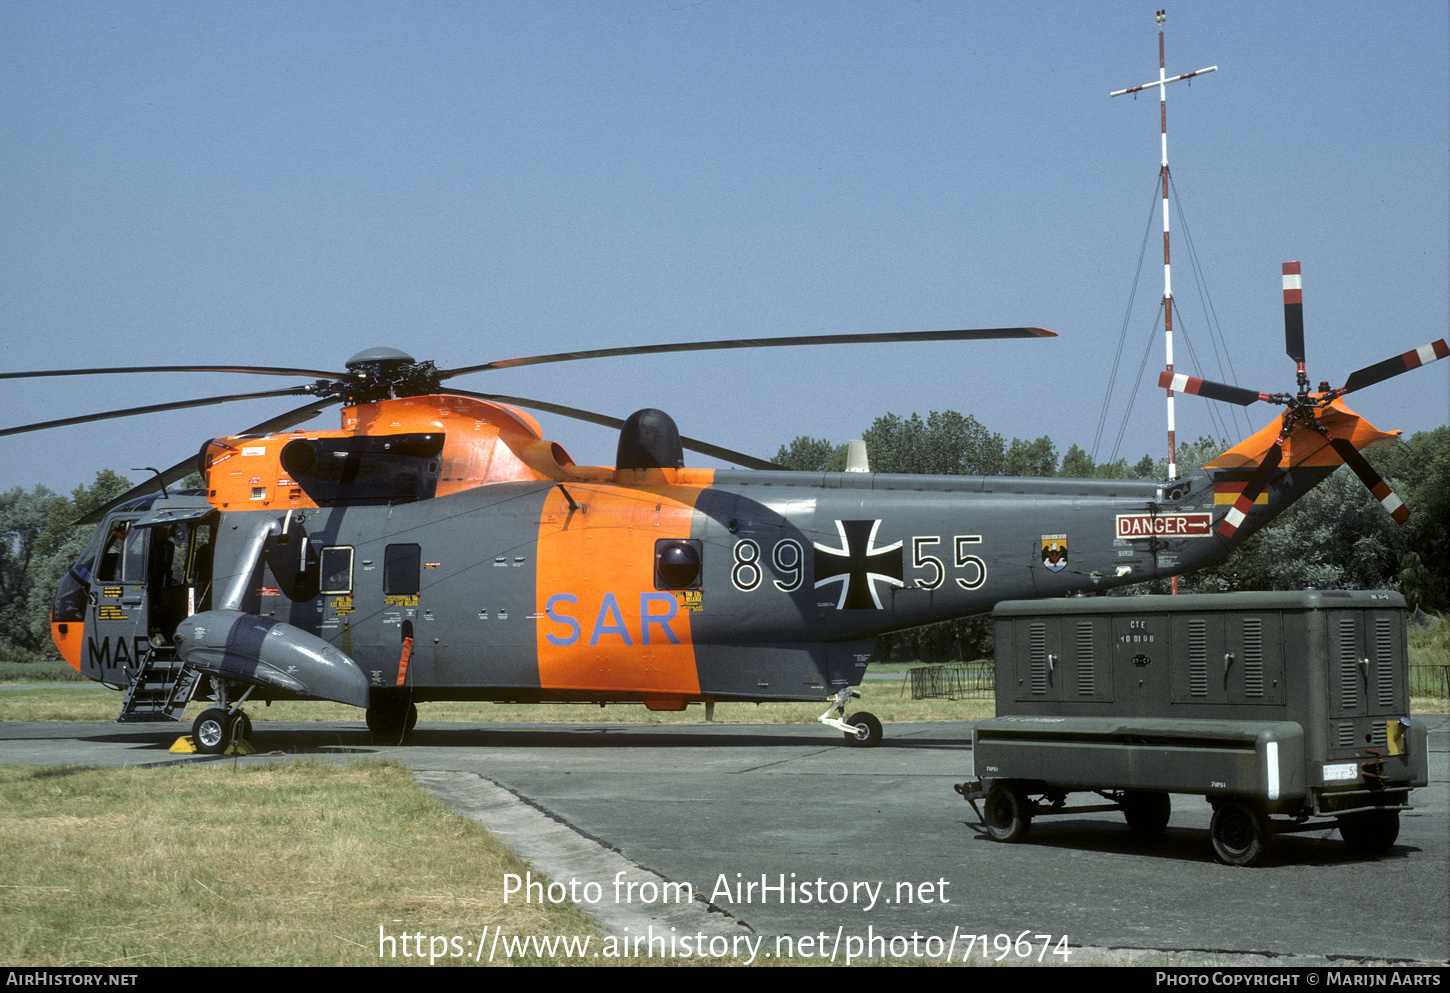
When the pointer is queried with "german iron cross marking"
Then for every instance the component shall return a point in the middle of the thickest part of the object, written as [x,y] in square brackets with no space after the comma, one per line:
[858,565]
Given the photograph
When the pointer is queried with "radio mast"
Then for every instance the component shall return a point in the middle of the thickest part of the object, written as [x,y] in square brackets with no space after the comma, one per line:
[1162,84]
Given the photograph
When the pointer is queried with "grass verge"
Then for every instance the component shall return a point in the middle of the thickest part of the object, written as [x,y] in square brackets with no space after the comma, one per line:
[156,867]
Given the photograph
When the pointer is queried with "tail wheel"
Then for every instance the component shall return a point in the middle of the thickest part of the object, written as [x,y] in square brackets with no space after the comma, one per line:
[1240,832]
[867,733]
[1008,814]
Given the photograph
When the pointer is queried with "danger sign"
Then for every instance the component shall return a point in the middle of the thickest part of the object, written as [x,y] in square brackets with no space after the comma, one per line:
[1198,525]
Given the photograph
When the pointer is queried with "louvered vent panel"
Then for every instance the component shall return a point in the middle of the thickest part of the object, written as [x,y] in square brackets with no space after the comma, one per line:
[1384,664]
[1348,665]
[1038,655]
[1086,665]
[1253,657]
[1197,658]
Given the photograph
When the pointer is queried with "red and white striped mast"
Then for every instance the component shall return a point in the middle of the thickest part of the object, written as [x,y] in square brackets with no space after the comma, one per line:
[1162,85]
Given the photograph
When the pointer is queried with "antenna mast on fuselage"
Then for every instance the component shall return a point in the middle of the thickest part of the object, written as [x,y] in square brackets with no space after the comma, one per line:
[1162,84]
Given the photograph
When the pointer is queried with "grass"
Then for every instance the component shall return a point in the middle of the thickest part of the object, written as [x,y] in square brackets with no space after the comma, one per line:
[884,698]
[38,671]
[287,865]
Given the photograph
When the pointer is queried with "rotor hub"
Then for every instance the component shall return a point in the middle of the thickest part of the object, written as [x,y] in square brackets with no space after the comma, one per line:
[386,374]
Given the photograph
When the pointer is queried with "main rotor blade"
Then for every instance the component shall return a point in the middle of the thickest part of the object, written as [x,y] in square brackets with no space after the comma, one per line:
[192,464]
[1180,383]
[1235,517]
[1371,479]
[1381,371]
[701,346]
[694,445]
[292,418]
[253,369]
[152,409]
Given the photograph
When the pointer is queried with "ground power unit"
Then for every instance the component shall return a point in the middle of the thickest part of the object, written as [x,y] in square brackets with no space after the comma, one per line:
[1281,709]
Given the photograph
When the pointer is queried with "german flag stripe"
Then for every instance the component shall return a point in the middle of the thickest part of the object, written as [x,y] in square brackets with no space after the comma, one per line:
[1229,493]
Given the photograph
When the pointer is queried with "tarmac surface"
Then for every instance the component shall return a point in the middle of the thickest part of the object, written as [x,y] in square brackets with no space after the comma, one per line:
[783,833]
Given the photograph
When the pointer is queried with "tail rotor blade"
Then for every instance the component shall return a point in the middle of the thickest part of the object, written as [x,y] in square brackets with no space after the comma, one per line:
[1179,383]
[1381,371]
[1294,313]
[1372,479]
[1240,510]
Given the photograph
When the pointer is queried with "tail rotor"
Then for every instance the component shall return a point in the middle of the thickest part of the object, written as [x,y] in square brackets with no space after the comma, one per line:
[1304,409]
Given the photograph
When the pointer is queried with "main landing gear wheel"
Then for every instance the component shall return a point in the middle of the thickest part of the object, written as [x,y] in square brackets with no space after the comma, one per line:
[213,731]
[1372,832]
[1147,811]
[391,718]
[1240,832]
[1007,813]
[868,730]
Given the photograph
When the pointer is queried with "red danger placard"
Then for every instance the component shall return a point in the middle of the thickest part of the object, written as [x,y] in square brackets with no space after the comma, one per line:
[1199,525]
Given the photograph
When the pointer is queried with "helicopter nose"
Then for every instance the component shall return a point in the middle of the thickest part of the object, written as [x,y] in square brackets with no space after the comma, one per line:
[265,652]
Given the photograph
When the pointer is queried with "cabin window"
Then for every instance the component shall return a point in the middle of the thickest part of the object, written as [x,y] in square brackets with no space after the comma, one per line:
[133,558]
[401,570]
[336,570]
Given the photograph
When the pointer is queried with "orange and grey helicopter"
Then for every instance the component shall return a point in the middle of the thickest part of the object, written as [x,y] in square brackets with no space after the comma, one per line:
[435,547]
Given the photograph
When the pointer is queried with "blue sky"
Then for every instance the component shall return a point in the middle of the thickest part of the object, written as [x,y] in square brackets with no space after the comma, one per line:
[290,183]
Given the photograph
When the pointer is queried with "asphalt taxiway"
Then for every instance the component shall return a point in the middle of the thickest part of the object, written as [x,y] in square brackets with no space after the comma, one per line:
[782,831]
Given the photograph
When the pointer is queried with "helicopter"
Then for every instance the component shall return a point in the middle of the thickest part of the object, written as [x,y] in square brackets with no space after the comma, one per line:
[435,546]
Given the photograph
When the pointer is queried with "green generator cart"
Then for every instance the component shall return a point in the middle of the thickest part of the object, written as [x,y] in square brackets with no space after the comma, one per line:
[1281,709]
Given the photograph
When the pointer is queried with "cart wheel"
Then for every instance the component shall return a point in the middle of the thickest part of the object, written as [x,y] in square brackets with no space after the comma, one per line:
[1371,832]
[1147,811]
[1240,832]
[1008,815]
[867,733]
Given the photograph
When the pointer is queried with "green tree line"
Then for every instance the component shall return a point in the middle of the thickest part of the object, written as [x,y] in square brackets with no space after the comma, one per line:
[1336,536]
[38,543]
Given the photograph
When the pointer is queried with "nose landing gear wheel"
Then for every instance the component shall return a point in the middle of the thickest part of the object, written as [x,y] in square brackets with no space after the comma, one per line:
[212,731]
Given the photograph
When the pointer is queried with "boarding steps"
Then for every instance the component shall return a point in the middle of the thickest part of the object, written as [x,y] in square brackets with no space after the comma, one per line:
[161,690]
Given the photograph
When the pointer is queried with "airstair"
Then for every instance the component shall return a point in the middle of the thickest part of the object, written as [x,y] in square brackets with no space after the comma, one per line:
[161,690]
